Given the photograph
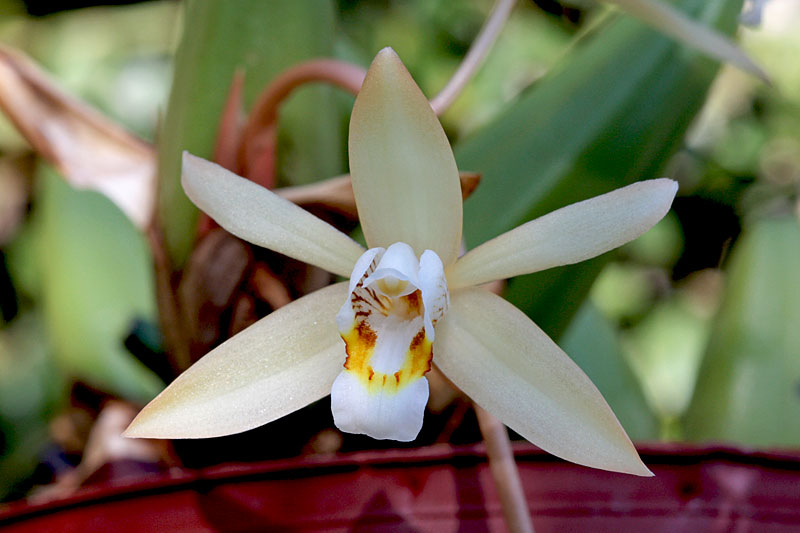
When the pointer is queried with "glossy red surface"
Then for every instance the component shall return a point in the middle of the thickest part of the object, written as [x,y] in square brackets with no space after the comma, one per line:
[438,489]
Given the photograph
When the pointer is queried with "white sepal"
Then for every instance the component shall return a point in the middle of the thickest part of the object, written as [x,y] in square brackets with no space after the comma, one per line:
[404,175]
[568,235]
[494,353]
[261,217]
[281,363]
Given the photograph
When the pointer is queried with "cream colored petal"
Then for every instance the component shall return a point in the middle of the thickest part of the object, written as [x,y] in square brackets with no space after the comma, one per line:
[404,175]
[506,364]
[569,235]
[259,216]
[278,365]
[672,22]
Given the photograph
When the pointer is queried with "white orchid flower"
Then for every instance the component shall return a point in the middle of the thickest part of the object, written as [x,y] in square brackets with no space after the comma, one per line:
[410,300]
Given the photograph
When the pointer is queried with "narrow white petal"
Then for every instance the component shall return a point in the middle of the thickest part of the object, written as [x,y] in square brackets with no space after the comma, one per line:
[433,286]
[505,363]
[569,235]
[261,217]
[278,365]
[362,265]
[672,22]
[378,413]
[404,174]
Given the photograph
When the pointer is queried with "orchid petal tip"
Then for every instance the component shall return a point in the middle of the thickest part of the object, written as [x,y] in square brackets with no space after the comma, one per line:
[385,53]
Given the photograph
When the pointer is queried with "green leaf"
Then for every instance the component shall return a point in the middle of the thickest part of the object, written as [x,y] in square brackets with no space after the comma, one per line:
[663,17]
[592,343]
[96,280]
[31,391]
[665,350]
[263,38]
[748,389]
[612,113]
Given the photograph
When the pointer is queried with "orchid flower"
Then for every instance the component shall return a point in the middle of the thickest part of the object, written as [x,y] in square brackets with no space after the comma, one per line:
[410,300]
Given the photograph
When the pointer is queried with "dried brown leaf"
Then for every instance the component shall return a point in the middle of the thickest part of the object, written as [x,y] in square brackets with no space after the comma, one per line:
[336,194]
[91,151]
[14,189]
[269,287]
[209,286]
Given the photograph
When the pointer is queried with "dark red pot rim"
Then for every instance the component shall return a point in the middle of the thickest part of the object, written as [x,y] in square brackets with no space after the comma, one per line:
[701,487]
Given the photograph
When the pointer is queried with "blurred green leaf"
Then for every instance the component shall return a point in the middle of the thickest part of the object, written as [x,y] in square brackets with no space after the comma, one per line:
[665,350]
[660,246]
[22,261]
[592,343]
[623,292]
[263,38]
[662,16]
[748,389]
[96,279]
[612,113]
[89,51]
[31,389]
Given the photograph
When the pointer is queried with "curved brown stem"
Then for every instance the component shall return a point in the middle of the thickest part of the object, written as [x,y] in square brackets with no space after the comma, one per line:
[230,125]
[265,111]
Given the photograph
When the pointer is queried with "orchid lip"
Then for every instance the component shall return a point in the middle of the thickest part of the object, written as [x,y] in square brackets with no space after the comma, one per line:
[387,325]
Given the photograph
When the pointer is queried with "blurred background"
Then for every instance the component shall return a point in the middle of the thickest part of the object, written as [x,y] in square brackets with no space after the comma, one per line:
[690,332]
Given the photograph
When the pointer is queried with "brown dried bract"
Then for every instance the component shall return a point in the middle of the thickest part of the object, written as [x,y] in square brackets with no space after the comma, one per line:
[91,151]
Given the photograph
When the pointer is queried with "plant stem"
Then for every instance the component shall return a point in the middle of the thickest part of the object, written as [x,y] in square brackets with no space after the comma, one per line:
[265,111]
[504,471]
[475,56]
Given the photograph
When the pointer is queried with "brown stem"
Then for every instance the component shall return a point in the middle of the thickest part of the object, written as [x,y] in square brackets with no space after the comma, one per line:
[504,472]
[175,339]
[230,125]
[265,111]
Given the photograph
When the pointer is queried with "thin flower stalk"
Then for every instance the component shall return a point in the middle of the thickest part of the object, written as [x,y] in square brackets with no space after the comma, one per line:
[475,55]
[504,472]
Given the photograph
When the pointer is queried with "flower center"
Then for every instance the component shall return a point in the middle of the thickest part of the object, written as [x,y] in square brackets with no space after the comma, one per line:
[391,286]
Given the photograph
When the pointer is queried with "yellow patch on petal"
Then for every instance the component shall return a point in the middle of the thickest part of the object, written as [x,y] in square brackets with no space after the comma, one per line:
[360,344]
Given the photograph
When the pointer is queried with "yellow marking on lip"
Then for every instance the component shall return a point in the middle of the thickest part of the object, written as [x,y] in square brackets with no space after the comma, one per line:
[360,345]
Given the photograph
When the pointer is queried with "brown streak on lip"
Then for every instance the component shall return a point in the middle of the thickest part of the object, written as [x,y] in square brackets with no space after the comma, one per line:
[414,301]
[417,341]
[366,333]
[420,365]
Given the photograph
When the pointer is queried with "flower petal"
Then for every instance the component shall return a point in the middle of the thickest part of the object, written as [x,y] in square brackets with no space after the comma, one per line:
[568,235]
[281,363]
[261,217]
[377,412]
[388,326]
[504,362]
[404,174]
